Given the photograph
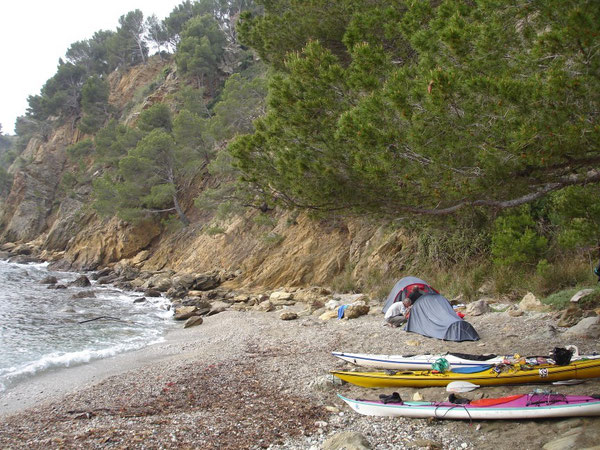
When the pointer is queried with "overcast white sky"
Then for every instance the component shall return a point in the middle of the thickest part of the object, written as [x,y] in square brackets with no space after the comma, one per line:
[34,34]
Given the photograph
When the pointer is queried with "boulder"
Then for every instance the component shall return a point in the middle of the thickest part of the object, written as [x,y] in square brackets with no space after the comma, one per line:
[107,279]
[185,312]
[151,293]
[531,303]
[193,321]
[206,282]
[581,294]
[49,280]
[127,272]
[101,273]
[570,316]
[24,259]
[176,292]
[84,294]
[514,311]
[328,315]
[217,307]
[347,440]
[354,311]
[183,281]
[588,327]
[139,300]
[81,281]
[241,298]
[288,315]
[264,306]
[478,308]
[333,304]
[279,296]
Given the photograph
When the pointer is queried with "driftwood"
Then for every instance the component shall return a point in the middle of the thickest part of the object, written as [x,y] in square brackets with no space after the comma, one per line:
[102,317]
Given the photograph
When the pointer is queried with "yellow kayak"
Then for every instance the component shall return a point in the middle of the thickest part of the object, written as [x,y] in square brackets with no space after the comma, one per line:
[487,377]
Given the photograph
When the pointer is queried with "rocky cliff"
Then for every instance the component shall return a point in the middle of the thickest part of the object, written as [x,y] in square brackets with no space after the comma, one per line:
[288,252]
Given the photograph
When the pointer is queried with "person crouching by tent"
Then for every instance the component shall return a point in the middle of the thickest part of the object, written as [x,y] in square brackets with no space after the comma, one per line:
[398,313]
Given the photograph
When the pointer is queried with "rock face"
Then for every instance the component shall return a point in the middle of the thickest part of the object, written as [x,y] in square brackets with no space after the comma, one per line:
[29,204]
[308,252]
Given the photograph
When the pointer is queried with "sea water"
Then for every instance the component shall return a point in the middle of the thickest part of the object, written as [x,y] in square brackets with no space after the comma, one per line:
[45,329]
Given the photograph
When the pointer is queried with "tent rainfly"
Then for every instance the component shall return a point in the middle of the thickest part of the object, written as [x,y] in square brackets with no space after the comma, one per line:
[432,314]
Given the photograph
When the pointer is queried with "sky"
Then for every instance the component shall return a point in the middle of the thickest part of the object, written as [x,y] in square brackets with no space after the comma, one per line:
[34,34]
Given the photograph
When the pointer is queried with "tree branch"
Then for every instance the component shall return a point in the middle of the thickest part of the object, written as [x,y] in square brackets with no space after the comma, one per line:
[593,176]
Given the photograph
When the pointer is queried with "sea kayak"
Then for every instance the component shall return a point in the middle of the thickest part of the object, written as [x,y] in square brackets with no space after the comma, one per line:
[530,406]
[423,362]
[486,375]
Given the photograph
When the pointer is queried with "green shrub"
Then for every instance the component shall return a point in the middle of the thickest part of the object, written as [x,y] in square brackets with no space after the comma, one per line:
[561,299]
[515,240]
[214,230]
[272,239]
[80,150]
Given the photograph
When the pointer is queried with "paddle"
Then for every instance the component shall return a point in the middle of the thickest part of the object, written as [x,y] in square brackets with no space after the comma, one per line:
[461,386]
[568,382]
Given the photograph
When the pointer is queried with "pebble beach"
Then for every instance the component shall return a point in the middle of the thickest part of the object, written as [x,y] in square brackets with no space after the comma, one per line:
[249,380]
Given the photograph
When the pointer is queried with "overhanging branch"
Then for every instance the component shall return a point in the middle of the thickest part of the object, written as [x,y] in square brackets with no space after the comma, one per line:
[593,176]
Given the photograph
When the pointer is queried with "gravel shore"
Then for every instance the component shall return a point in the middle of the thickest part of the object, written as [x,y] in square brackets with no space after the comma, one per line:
[249,380]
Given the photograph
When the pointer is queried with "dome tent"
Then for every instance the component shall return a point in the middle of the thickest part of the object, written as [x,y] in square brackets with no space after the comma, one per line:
[431,315]
[403,287]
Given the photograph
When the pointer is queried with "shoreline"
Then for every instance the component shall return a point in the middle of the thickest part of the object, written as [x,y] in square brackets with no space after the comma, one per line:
[53,384]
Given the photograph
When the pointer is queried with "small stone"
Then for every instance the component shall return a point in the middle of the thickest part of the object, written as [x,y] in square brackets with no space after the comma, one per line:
[417,397]
[288,315]
[193,321]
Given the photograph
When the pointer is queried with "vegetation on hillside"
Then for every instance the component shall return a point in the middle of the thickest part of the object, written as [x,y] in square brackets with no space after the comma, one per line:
[472,124]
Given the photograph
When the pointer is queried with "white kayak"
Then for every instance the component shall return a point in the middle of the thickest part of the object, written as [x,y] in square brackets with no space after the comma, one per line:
[424,362]
[531,406]
[415,362]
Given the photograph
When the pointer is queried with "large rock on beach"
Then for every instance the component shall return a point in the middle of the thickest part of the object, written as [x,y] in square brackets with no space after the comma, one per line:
[355,311]
[280,296]
[570,316]
[193,321]
[588,327]
[478,308]
[288,315]
[328,315]
[579,295]
[531,303]
[265,306]
[185,312]
[206,282]
[347,440]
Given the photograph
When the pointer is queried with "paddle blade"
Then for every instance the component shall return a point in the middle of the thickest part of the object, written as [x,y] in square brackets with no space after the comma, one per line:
[568,382]
[461,386]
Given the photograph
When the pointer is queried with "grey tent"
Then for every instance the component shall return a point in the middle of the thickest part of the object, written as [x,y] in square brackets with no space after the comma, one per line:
[402,288]
[433,316]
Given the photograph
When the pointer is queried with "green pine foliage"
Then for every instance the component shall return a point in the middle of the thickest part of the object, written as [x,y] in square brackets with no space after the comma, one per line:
[516,241]
[443,106]
[200,51]
[94,104]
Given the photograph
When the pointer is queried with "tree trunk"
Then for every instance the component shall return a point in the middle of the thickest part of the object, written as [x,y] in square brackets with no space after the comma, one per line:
[180,212]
